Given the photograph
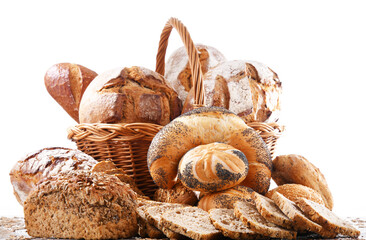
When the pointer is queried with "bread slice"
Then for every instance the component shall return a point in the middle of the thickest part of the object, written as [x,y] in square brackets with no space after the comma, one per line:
[271,212]
[192,222]
[301,222]
[144,228]
[153,216]
[248,213]
[229,225]
[323,216]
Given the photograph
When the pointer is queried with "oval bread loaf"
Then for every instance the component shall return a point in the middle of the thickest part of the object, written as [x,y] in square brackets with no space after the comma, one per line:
[202,126]
[212,167]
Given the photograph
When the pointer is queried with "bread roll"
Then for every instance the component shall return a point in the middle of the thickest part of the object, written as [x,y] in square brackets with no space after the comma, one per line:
[178,71]
[66,83]
[178,194]
[297,169]
[81,204]
[126,95]
[226,198]
[212,167]
[296,191]
[248,88]
[204,126]
[39,165]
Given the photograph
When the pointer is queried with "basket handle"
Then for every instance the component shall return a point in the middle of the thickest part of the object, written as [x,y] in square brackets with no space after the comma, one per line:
[199,98]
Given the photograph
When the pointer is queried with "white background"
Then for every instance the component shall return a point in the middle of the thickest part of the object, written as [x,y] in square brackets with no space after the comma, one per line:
[318,49]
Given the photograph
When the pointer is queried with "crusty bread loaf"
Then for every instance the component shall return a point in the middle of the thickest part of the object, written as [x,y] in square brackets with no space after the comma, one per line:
[178,70]
[250,216]
[192,222]
[81,204]
[248,88]
[296,191]
[230,226]
[126,95]
[326,218]
[43,163]
[300,221]
[271,212]
[212,167]
[297,169]
[203,126]
[226,198]
[66,83]
[178,194]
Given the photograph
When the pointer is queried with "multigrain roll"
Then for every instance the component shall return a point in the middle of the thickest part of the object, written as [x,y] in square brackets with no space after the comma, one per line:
[203,126]
[178,71]
[126,95]
[81,204]
[178,194]
[212,167]
[41,164]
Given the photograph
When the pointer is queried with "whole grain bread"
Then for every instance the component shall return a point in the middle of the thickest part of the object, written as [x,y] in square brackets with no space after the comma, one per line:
[230,226]
[250,216]
[145,229]
[271,212]
[81,204]
[192,222]
[301,222]
[326,218]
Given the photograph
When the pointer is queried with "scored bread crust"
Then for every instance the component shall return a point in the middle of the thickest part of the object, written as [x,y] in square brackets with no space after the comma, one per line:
[203,126]
[230,226]
[270,211]
[323,216]
[301,222]
[248,213]
[81,204]
[297,169]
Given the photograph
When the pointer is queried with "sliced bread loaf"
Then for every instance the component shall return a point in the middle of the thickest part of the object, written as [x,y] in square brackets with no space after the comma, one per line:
[301,222]
[323,216]
[250,216]
[192,222]
[230,226]
[144,228]
[271,212]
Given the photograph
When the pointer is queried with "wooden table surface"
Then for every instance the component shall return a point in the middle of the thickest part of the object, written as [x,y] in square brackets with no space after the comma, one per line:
[13,228]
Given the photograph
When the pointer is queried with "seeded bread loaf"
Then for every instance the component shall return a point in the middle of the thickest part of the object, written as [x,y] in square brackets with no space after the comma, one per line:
[81,204]
[39,165]
[192,222]
[297,169]
[230,226]
[326,218]
[212,167]
[248,213]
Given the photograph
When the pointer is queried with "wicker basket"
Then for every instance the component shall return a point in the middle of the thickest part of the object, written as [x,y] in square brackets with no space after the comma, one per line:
[127,144]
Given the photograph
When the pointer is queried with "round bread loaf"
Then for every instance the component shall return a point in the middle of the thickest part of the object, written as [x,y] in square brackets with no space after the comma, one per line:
[39,165]
[294,192]
[297,169]
[81,205]
[226,198]
[212,167]
[178,71]
[203,126]
[126,95]
[178,194]
[248,88]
